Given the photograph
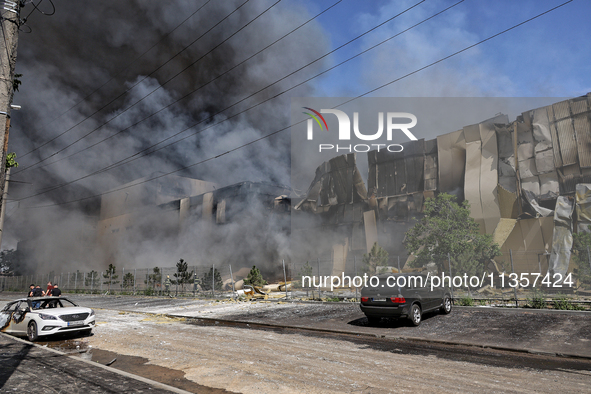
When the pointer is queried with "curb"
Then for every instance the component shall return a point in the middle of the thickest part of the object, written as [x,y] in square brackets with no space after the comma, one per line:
[400,337]
[110,369]
[522,310]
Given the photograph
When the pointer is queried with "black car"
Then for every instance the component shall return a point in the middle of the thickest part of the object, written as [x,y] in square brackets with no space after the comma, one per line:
[403,295]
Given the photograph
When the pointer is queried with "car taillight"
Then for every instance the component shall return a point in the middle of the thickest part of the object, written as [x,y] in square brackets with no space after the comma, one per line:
[364,299]
[398,300]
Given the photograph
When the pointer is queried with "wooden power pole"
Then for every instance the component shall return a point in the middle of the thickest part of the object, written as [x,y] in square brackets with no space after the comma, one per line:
[10,20]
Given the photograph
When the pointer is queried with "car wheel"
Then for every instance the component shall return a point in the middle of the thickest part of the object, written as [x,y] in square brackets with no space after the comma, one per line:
[32,332]
[446,307]
[373,320]
[415,315]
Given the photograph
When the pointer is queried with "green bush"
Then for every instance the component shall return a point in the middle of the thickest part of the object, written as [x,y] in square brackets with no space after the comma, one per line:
[537,300]
[466,301]
[255,278]
[563,303]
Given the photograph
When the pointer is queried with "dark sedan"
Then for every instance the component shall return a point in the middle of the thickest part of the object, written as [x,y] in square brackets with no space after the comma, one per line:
[406,295]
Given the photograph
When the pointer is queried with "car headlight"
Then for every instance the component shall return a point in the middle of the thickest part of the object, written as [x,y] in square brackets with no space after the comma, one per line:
[92,312]
[47,317]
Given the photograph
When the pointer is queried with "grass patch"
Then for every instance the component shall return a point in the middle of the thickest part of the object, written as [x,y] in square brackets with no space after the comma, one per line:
[466,301]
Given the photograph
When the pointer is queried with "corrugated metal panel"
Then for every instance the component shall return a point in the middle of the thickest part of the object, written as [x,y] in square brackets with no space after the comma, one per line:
[583,130]
[561,110]
[568,143]
[555,142]
[413,176]
[430,184]
[420,168]
[578,105]
[400,178]
[392,176]
[431,146]
[372,179]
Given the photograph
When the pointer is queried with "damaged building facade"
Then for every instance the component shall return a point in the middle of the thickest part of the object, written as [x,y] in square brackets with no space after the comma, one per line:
[147,224]
[528,182]
[243,224]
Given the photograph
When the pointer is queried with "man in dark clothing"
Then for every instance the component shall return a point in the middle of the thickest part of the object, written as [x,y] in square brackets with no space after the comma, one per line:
[37,292]
[31,288]
[56,292]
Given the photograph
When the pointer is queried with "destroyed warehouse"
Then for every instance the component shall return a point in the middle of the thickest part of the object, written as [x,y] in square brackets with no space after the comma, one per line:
[528,183]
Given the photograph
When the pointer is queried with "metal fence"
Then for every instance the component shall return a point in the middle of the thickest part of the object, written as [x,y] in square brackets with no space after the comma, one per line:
[516,269]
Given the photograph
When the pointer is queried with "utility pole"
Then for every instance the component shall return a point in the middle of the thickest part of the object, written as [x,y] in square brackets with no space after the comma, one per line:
[10,21]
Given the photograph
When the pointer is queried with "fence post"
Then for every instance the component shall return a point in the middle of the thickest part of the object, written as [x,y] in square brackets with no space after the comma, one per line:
[355,269]
[285,279]
[232,278]
[318,262]
[122,277]
[110,280]
[451,286]
[399,271]
[91,281]
[589,256]
[213,280]
[134,272]
[513,271]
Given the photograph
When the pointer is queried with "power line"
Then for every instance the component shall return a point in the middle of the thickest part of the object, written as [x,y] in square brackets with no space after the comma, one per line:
[287,127]
[112,78]
[135,156]
[158,88]
[223,110]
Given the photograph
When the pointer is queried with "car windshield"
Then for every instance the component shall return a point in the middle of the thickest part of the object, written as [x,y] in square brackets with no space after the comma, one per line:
[56,303]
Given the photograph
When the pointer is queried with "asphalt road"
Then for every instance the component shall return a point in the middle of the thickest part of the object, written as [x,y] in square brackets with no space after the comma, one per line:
[445,354]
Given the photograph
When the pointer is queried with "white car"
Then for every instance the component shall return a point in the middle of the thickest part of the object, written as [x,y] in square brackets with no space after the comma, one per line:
[40,316]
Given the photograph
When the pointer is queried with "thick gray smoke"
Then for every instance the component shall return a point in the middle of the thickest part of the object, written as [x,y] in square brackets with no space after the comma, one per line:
[68,55]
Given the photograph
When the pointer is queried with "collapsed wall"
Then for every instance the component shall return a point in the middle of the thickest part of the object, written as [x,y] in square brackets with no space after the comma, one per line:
[520,178]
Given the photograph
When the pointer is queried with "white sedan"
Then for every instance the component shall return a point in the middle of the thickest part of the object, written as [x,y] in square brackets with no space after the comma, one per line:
[40,316]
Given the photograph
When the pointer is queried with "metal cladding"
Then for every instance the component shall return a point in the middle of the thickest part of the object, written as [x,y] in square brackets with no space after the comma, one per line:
[517,176]
[562,238]
[583,201]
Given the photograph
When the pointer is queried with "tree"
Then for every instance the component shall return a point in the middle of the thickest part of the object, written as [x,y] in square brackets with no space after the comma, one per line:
[90,278]
[207,279]
[377,256]
[110,275]
[447,228]
[154,278]
[255,278]
[582,256]
[182,275]
[128,280]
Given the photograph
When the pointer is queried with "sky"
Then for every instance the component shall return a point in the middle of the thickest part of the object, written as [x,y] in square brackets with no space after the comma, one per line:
[546,57]
[81,85]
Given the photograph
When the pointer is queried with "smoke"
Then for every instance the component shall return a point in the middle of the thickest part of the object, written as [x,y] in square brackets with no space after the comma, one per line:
[69,55]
